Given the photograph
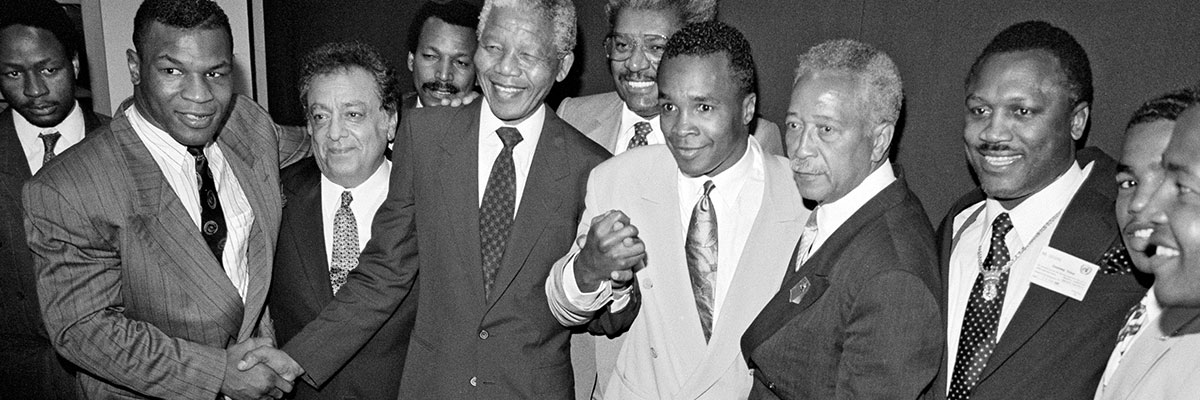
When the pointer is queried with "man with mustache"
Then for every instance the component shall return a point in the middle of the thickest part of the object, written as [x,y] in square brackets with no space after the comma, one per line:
[38,67]
[628,117]
[1141,367]
[1032,275]
[441,41]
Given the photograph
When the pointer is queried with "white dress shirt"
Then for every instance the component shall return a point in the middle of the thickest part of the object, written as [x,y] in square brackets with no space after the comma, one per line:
[1041,211]
[490,146]
[628,120]
[179,168]
[831,216]
[71,129]
[367,197]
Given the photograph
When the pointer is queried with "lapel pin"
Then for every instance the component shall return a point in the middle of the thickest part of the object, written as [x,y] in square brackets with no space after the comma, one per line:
[798,291]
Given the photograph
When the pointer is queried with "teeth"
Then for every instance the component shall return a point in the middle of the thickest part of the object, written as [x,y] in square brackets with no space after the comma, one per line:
[1001,161]
[507,90]
[1143,233]
[1167,252]
[639,85]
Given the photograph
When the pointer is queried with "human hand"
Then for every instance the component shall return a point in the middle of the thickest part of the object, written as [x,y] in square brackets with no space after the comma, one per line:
[611,250]
[461,99]
[276,359]
[253,382]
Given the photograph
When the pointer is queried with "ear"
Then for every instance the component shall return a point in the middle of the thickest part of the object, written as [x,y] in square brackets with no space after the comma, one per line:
[564,67]
[1079,119]
[882,141]
[393,121]
[749,104]
[410,61]
[135,72]
[75,64]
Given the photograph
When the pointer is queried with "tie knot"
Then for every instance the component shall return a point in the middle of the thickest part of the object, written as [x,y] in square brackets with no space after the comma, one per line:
[642,129]
[510,136]
[196,151]
[811,225]
[50,136]
[708,187]
[1001,225]
[346,198]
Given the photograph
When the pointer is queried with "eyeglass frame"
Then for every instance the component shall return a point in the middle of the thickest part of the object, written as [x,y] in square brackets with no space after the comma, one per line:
[637,44]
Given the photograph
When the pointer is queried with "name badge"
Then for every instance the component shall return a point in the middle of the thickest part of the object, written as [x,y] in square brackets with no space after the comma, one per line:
[798,291]
[1063,273]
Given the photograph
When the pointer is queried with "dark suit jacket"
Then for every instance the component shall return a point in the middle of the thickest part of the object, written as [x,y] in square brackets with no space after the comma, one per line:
[867,327]
[29,367]
[1056,347]
[129,290]
[463,345]
[300,289]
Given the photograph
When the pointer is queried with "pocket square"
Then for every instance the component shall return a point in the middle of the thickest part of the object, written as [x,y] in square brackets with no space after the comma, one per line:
[798,291]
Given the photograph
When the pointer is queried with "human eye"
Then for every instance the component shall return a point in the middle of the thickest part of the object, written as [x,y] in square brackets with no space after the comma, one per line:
[216,74]
[668,107]
[1126,181]
[792,126]
[704,108]
[462,64]
[171,71]
[12,74]
[978,111]
[50,71]
[355,114]
[318,117]
[1022,111]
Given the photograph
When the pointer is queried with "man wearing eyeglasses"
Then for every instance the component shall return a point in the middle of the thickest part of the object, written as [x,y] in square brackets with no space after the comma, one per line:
[628,117]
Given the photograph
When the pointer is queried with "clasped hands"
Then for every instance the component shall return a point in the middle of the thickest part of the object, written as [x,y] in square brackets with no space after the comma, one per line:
[255,369]
[611,250]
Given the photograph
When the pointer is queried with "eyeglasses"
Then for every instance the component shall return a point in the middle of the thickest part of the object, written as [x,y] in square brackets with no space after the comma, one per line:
[621,47]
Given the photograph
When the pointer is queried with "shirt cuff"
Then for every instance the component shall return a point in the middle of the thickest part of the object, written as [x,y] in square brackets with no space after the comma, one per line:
[590,301]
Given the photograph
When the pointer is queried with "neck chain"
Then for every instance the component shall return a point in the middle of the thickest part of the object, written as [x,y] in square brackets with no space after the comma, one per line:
[991,277]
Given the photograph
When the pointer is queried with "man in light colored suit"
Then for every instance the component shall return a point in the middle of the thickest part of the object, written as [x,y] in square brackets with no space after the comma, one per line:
[716,217]
[1158,348]
[628,117]
[153,238]
[855,316]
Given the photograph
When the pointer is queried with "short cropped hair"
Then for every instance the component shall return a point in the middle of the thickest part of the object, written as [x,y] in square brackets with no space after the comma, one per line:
[877,74]
[689,11]
[560,12]
[1166,107]
[47,15]
[185,14]
[454,12]
[713,37]
[341,57]
[1040,35]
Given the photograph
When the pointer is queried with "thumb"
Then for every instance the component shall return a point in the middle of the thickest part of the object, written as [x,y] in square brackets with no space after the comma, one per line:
[251,359]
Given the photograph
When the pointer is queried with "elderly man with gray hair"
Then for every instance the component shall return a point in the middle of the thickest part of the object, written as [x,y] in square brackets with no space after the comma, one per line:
[855,316]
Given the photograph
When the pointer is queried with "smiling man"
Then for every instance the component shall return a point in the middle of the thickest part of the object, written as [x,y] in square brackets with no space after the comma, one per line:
[628,117]
[441,42]
[1032,260]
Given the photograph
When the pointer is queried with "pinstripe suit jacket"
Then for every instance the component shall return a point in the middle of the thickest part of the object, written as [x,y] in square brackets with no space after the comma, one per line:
[129,290]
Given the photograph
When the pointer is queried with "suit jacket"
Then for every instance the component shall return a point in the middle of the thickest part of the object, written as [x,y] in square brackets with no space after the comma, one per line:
[859,319]
[599,117]
[1163,363]
[664,353]
[300,289]
[464,345]
[29,367]
[129,289]
[1055,347]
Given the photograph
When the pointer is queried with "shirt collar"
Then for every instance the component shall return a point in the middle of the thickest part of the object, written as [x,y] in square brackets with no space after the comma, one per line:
[530,128]
[153,136]
[831,216]
[1032,214]
[730,181]
[71,127]
[629,118]
[376,183]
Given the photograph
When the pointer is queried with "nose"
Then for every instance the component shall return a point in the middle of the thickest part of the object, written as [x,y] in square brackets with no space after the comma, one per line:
[196,89]
[338,128]
[995,131]
[803,143]
[509,65]
[444,72]
[1143,194]
[678,124]
[638,60]
[35,85]
[1156,207]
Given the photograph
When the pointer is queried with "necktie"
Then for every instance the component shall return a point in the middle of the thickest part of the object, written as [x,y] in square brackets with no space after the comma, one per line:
[49,139]
[701,251]
[212,219]
[640,130]
[496,210]
[1133,323]
[978,336]
[806,240]
[345,243]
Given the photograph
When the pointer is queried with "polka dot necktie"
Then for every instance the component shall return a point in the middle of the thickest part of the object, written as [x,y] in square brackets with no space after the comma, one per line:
[640,130]
[977,339]
[701,251]
[49,139]
[345,243]
[212,219]
[497,209]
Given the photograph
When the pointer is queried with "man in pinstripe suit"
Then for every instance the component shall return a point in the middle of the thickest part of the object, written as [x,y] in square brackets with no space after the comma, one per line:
[146,302]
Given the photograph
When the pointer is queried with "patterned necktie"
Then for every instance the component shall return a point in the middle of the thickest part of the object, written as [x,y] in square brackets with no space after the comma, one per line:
[806,240]
[640,130]
[496,210]
[212,219]
[701,251]
[1133,324]
[49,139]
[345,243]
[977,338]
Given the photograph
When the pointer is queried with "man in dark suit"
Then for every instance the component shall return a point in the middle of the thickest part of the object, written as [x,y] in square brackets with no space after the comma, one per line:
[855,316]
[153,238]
[1031,262]
[39,64]
[441,41]
[351,103]
[483,199]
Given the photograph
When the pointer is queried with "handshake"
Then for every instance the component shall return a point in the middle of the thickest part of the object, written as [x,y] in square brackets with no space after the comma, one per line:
[611,250]
[255,369]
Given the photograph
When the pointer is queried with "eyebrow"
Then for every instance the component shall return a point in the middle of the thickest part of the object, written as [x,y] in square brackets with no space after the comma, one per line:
[173,60]
[1122,167]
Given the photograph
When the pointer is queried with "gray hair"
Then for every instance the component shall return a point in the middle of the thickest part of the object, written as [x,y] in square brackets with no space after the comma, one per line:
[689,11]
[872,67]
[560,12]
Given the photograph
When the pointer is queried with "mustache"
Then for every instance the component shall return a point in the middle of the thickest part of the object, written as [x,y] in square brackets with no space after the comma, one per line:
[638,76]
[439,86]
[993,147]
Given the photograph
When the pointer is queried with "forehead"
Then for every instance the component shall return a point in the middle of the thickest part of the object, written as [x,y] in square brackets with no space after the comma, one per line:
[522,26]
[647,22]
[21,40]
[161,39]
[348,84]
[696,75]
[1145,142]
[443,33]
[1020,71]
[830,88]
[1184,149]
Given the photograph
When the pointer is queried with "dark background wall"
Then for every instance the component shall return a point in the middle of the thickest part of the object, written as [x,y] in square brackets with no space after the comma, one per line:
[1138,50]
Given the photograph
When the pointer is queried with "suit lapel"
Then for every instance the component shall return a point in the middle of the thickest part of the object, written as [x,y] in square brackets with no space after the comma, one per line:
[162,223]
[608,122]
[305,215]
[458,174]
[12,157]
[1153,344]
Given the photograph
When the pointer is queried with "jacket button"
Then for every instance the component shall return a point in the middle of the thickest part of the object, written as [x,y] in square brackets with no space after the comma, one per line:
[472,381]
[771,386]
[483,334]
